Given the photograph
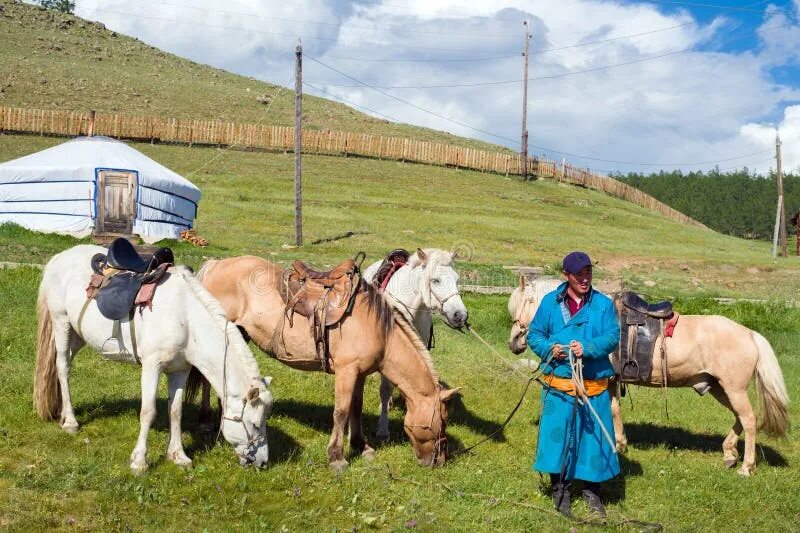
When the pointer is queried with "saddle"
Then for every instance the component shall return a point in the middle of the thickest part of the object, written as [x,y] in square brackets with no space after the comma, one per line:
[325,298]
[396,259]
[641,325]
[124,278]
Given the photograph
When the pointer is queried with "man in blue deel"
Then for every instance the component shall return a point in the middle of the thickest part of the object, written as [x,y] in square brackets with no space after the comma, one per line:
[572,445]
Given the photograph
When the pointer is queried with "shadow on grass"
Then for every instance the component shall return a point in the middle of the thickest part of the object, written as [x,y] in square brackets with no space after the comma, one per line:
[645,436]
[282,447]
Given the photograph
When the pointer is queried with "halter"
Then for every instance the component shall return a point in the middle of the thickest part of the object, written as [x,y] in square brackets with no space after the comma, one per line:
[253,443]
[441,439]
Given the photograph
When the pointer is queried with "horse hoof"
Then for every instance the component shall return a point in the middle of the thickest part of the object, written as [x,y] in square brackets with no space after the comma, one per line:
[622,448]
[744,471]
[730,463]
[338,466]
[183,462]
[382,437]
[72,429]
[368,454]
[138,468]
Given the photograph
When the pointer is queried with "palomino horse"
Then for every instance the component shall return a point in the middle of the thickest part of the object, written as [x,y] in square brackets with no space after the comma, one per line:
[186,328]
[714,350]
[372,337]
[426,284]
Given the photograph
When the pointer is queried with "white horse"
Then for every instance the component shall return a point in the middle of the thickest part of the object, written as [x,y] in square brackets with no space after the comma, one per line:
[426,284]
[186,327]
[522,305]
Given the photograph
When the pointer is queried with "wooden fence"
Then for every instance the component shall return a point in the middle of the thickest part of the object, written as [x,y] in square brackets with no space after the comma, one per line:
[232,134]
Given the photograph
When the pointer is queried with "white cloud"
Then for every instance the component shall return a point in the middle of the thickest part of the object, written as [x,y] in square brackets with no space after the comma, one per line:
[701,105]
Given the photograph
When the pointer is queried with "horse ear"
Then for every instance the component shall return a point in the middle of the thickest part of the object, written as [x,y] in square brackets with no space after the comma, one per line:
[252,394]
[422,256]
[454,255]
[447,394]
[267,380]
[522,282]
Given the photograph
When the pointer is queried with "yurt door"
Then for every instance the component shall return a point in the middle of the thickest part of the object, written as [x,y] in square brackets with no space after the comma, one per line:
[116,201]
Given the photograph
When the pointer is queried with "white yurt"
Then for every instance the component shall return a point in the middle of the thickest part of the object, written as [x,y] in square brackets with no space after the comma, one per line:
[96,185]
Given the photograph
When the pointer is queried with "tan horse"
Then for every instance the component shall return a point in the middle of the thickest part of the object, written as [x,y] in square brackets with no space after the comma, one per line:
[715,354]
[373,337]
[712,353]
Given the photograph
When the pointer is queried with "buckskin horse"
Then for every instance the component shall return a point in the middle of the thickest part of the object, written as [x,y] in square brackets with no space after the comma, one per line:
[710,353]
[185,328]
[258,296]
[425,283]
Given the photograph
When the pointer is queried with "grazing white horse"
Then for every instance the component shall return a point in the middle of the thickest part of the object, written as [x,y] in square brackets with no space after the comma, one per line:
[426,284]
[186,327]
[522,305]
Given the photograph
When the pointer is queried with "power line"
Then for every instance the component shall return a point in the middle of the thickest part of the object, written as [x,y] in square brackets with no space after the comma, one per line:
[502,137]
[348,102]
[548,77]
[538,52]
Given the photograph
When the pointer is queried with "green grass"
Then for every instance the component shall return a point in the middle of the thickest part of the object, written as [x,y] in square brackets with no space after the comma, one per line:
[673,473]
[56,61]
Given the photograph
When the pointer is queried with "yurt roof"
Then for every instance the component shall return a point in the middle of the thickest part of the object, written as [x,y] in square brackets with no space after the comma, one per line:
[79,158]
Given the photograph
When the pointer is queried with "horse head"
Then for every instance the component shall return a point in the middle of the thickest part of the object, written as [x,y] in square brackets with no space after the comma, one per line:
[245,425]
[425,425]
[522,306]
[439,288]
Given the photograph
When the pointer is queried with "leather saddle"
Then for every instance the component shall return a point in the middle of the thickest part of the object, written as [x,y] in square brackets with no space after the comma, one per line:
[325,298]
[122,272]
[331,291]
[641,325]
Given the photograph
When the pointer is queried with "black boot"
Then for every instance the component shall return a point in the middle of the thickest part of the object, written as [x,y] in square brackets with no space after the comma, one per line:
[592,499]
[561,495]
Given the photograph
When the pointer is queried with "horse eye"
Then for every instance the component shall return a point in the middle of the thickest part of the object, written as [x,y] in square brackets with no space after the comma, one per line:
[436,280]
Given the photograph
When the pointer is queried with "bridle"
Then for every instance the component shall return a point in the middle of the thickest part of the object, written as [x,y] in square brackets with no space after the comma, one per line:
[440,445]
[253,443]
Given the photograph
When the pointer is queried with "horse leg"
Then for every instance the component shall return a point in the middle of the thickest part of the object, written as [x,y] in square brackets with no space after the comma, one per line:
[729,452]
[65,339]
[150,373]
[616,415]
[383,422]
[345,379]
[175,452]
[357,441]
[744,410]
[205,415]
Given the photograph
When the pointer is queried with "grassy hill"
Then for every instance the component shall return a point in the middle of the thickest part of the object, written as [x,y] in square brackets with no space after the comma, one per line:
[52,60]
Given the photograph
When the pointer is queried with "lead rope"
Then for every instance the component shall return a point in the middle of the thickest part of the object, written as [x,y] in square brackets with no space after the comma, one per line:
[576,364]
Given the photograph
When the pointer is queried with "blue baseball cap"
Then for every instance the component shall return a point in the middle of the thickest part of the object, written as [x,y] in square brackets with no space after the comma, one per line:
[574,262]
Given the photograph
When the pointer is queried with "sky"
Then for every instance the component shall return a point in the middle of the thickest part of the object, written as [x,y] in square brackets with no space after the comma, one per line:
[614,86]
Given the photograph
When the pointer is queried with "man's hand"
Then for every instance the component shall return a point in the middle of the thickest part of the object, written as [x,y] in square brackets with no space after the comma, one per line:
[558,352]
[577,349]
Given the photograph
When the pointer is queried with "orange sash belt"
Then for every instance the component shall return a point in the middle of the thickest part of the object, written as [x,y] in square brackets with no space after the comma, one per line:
[593,386]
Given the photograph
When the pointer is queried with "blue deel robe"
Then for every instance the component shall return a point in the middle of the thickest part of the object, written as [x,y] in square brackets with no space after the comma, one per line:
[570,438]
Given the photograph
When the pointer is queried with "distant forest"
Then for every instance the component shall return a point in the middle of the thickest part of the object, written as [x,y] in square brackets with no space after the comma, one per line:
[735,203]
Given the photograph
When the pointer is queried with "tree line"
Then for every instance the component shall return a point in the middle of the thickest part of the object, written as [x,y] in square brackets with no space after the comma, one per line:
[736,203]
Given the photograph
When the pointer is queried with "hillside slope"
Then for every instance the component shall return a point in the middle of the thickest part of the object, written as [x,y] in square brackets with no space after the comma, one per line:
[52,60]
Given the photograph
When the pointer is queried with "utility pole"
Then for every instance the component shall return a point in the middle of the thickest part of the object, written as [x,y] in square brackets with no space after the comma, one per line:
[779,236]
[298,145]
[524,143]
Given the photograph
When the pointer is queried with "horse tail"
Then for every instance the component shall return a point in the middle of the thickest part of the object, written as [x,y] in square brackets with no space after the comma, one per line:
[204,268]
[193,383]
[771,389]
[46,390]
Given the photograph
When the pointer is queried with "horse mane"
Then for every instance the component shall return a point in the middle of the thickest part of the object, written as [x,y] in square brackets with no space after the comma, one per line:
[218,314]
[412,335]
[376,303]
